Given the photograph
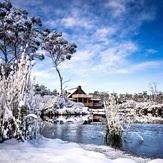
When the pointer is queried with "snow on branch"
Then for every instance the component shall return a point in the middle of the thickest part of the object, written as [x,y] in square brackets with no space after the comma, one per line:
[116,120]
[17,101]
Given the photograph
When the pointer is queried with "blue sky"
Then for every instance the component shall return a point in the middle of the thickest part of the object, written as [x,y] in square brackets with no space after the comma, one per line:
[120,43]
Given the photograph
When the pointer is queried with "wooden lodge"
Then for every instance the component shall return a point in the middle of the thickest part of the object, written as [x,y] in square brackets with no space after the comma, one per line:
[78,95]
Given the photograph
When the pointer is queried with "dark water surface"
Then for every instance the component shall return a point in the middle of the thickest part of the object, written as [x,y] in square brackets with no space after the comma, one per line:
[152,146]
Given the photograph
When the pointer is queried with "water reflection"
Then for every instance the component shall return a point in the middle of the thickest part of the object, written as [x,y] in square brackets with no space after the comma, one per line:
[88,134]
[68,119]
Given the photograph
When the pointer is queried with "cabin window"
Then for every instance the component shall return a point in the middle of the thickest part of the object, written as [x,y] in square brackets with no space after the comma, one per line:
[85,100]
[79,99]
[90,101]
[96,101]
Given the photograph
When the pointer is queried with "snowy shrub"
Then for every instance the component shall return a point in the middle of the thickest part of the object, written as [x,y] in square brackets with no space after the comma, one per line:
[116,120]
[19,116]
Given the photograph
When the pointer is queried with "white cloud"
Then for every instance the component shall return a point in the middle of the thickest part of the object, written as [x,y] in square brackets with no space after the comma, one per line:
[116,7]
[79,64]
[104,34]
[75,21]
[94,59]
[46,77]
[115,56]
[43,74]
[147,65]
[50,23]
[122,71]
[140,67]
[151,51]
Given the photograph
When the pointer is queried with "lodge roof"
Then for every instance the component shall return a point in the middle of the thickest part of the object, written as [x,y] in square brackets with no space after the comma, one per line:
[79,93]
[78,90]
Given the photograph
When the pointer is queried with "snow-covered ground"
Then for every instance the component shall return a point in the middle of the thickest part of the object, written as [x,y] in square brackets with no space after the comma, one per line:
[62,106]
[58,151]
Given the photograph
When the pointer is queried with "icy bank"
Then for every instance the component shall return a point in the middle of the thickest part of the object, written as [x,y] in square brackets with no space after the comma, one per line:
[141,112]
[55,105]
[56,150]
[141,107]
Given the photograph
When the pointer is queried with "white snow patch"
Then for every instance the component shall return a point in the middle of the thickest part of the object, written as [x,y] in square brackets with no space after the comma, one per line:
[156,161]
[54,150]
[123,160]
[32,115]
[21,104]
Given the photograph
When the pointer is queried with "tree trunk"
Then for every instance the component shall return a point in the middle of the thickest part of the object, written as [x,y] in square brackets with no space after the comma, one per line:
[61,80]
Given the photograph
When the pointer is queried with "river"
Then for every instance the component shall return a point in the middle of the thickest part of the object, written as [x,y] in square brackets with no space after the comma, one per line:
[94,134]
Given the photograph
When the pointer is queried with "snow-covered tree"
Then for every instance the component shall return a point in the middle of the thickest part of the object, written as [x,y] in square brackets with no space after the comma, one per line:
[19,114]
[42,90]
[18,32]
[58,49]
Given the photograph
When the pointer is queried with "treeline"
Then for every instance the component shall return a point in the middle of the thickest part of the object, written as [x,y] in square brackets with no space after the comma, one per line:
[43,90]
[156,96]
[138,97]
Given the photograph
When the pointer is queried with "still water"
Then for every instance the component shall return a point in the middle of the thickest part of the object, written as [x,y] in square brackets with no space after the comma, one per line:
[152,146]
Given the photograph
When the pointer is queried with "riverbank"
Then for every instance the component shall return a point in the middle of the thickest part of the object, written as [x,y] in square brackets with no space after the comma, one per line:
[58,151]
[113,153]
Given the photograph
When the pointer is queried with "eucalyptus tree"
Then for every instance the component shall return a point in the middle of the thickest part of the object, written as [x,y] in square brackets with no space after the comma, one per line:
[58,49]
[18,32]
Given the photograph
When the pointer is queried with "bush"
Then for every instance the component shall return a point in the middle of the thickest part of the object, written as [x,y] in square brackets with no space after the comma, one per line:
[19,115]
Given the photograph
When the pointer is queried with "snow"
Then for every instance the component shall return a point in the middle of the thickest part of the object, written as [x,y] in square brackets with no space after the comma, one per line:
[156,161]
[56,150]
[21,103]
[59,105]
[31,115]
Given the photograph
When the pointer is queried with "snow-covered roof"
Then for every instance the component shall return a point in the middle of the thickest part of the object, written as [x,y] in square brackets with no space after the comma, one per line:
[81,96]
[77,90]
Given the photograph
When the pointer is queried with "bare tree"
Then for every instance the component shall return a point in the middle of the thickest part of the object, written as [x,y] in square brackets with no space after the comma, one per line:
[153,89]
